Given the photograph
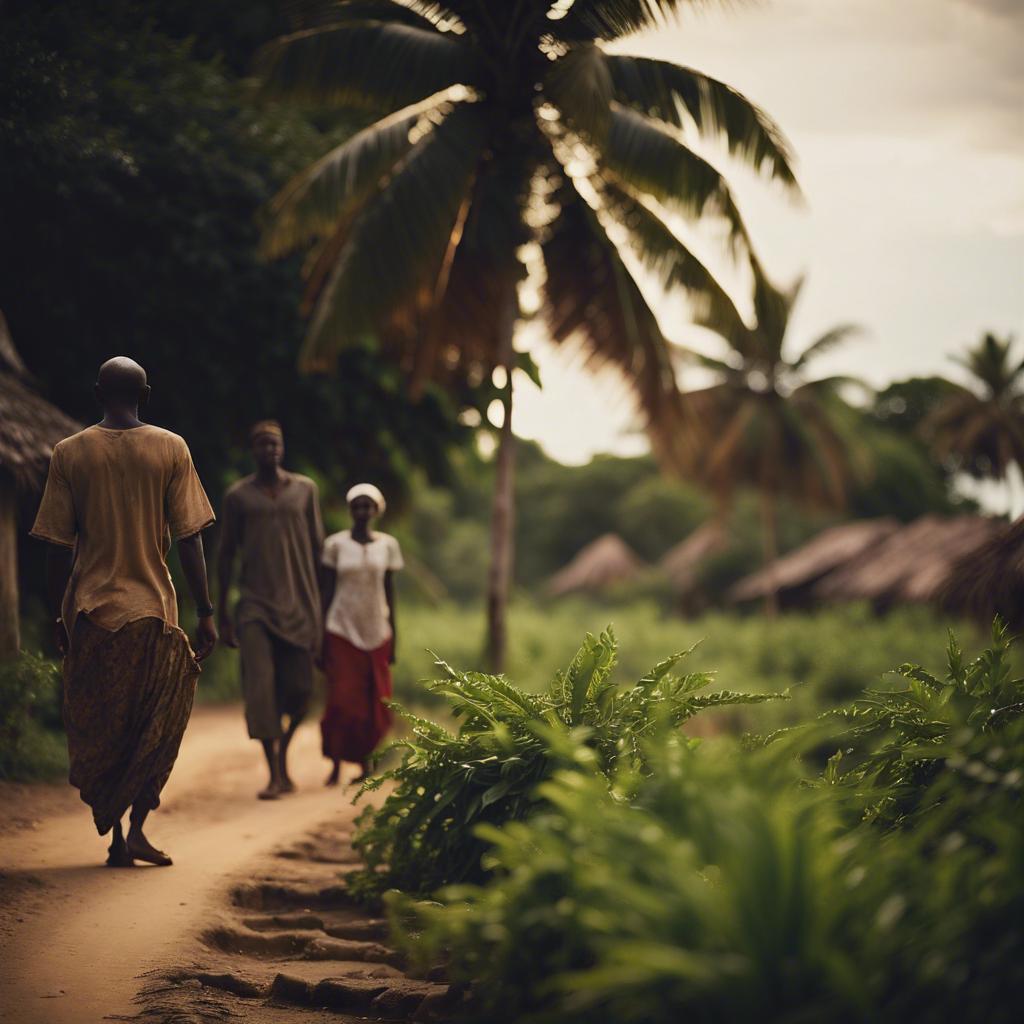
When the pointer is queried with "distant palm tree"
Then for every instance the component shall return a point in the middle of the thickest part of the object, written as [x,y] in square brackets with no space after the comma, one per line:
[770,427]
[980,428]
[509,135]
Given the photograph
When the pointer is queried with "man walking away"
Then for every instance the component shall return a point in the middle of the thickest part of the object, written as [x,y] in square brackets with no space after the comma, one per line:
[273,518]
[116,495]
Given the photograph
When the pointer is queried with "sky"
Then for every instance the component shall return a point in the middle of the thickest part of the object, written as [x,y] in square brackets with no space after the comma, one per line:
[907,119]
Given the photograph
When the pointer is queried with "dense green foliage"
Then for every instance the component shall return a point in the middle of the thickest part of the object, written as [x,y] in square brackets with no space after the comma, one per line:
[31,731]
[719,886]
[132,179]
[824,658]
[508,741]
[898,743]
[559,509]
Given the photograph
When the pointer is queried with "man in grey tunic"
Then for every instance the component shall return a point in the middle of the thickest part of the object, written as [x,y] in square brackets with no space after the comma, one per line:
[273,518]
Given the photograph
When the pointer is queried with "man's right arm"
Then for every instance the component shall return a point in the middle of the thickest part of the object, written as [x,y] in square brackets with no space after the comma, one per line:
[58,572]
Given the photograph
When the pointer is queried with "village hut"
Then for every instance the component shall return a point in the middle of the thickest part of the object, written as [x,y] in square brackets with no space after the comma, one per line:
[911,565]
[601,564]
[989,580]
[682,561]
[793,576]
[29,428]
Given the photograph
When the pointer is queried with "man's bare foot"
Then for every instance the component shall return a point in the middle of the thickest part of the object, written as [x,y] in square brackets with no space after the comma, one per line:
[140,848]
[118,855]
[335,776]
[272,792]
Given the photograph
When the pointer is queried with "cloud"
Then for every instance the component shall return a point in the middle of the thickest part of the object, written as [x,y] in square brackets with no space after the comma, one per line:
[1010,9]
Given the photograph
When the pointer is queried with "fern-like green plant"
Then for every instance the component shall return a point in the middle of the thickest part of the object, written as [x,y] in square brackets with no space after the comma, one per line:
[897,744]
[509,741]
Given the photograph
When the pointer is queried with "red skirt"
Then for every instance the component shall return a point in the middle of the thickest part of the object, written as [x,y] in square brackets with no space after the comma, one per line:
[356,718]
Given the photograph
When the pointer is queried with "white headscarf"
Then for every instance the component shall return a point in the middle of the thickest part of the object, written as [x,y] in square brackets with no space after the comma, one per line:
[367,491]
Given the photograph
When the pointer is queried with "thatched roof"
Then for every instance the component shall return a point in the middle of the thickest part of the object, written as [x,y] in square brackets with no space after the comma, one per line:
[681,562]
[912,564]
[828,551]
[990,579]
[29,425]
[600,564]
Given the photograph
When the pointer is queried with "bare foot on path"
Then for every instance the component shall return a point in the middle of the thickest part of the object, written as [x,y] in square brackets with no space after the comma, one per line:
[74,935]
[140,848]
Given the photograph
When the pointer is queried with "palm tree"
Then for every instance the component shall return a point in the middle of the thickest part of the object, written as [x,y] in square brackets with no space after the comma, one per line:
[507,136]
[770,426]
[980,428]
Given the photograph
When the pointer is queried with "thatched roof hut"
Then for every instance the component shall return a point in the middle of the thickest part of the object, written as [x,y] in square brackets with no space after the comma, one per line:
[990,579]
[912,564]
[793,575]
[681,562]
[29,428]
[601,564]
[29,425]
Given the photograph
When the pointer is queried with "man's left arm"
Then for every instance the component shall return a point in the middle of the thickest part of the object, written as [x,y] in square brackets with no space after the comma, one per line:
[315,523]
[193,564]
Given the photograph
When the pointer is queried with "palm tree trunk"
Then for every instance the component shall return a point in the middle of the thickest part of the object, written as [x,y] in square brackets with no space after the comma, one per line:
[499,580]
[770,548]
[10,638]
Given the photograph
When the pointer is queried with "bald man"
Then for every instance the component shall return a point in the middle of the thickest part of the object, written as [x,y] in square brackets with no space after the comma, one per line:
[116,495]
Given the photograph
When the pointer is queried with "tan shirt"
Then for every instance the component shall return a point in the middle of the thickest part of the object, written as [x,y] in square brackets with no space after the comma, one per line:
[280,540]
[118,497]
[359,610]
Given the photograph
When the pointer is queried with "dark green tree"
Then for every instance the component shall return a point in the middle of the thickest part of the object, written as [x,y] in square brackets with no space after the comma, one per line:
[131,175]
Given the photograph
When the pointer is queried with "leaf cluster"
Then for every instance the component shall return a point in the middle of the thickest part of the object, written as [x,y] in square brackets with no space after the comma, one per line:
[897,744]
[508,742]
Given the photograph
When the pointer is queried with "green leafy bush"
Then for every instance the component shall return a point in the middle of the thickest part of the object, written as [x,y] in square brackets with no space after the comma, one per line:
[708,880]
[898,743]
[31,729]
[508,741]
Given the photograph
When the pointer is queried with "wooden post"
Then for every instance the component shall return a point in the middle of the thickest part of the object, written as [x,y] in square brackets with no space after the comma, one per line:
[10,636]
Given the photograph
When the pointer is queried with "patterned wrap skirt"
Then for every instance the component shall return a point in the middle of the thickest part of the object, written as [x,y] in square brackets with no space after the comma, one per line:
[127,699]
[356,718]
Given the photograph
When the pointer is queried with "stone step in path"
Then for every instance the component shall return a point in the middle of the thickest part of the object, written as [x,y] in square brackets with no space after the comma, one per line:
[290,946]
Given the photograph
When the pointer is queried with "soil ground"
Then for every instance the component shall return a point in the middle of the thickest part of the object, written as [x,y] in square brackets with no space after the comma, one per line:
[250,923]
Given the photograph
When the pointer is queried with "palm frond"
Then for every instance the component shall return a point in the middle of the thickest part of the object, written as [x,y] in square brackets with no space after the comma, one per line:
[454,333]
[373,64]
[316,199]
[650,160]
[829,340]
[313,13]
[580,85]
[590,296]
[669,259]
[674,95]
[610,19]
[397,243]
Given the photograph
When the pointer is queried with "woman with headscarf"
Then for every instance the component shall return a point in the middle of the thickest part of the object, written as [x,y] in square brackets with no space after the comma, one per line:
[359,633]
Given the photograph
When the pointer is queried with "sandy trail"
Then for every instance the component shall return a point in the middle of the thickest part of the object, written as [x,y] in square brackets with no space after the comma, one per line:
[74,935]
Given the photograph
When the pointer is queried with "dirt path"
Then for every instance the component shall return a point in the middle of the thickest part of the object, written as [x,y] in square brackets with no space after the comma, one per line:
[75,937]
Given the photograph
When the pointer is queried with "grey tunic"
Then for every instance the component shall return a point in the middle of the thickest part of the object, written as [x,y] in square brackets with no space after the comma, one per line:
[280,540]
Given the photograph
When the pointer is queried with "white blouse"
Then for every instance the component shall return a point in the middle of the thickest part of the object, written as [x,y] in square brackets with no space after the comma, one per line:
[359,609]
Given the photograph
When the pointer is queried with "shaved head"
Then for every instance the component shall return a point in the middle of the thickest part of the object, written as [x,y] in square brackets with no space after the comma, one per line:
[121,380]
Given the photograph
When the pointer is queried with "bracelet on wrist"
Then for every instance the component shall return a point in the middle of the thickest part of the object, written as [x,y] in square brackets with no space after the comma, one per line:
[204,611]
